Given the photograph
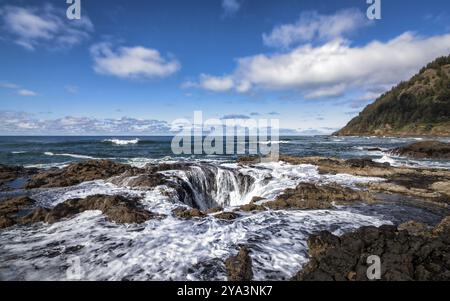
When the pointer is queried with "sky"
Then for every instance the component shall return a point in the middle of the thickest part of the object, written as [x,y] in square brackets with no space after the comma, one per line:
[133,67]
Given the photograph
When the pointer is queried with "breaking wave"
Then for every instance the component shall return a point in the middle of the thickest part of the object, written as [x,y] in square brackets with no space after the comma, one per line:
[121,142]
[70,155]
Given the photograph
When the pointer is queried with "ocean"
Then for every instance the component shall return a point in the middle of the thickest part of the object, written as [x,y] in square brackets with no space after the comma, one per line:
[46,152]
[177,249]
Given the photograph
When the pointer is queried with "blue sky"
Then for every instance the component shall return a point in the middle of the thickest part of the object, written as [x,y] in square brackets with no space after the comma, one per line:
[132,67]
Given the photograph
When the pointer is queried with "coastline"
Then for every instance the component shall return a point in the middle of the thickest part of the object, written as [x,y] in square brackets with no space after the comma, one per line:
[414,186]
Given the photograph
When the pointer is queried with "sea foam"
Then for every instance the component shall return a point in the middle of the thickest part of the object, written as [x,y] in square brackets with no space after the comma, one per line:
[122,142]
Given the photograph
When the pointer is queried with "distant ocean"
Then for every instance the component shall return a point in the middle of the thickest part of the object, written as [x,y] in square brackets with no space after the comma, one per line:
[46,152]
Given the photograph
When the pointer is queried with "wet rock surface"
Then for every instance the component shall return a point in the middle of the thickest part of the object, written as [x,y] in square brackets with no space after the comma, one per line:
[77,173]
[229,216]
[425,150]
[188,213]
[239,267]
[116,208]
[11,173]
[427,183]
[10,209]
[313,196]
[252,207]
[410,252]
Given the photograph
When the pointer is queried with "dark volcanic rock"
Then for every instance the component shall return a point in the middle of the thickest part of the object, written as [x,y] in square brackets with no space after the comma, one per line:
[313,196]
[6,222]
[239,267]
[10,208]
[77,173]
[425,149]
[412,254]
[147,181]
[227,216]
[365,163]
[214,210]
[38,215]
[117,209]
[252,207]
[188,213]
[10,173]
[249,160]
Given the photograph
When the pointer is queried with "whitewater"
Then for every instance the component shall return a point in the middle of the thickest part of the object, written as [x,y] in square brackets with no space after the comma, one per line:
[175,249]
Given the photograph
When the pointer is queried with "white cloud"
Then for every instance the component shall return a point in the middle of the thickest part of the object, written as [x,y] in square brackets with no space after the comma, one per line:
[132,62]
[313,26]
[17,89]
[335,67]
[25,123]
[230,7]
[216,84]
[25,92]
[31,27]
[333,91]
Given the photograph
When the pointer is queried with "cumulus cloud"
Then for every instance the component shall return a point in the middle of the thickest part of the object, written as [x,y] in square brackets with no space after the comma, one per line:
[216,83]
[132,62]
[25,123]
[335,67]
[230,7]
[31,27]
[313,26]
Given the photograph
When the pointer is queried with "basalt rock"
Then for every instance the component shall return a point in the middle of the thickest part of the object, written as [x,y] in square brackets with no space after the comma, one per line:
[214,210]
[227,216]
[188,213]
[147,181]
[77,173]
[239,267]
[425,149]
[313,196]
[252,207]
[414,228]
[365,163]
[9,210]
[414,253]
[427,183]
[256,199]
[117,209]
[10,173]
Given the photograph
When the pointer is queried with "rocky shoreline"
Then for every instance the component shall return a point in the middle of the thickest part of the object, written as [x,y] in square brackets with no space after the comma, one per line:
[410,251]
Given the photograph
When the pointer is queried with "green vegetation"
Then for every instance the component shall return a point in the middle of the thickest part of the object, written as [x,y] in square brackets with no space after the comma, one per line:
[420,106]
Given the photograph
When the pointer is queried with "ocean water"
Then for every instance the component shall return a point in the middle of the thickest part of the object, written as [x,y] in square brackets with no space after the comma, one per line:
[59,151]
[175,249]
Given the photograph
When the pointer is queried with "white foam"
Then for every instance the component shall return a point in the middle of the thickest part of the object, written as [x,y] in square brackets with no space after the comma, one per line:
[274,142]
[76,156]
[48,165]
[172,248]
[122,142]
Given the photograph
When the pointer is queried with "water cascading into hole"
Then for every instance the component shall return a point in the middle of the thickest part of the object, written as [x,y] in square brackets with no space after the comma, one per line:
[208,186]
